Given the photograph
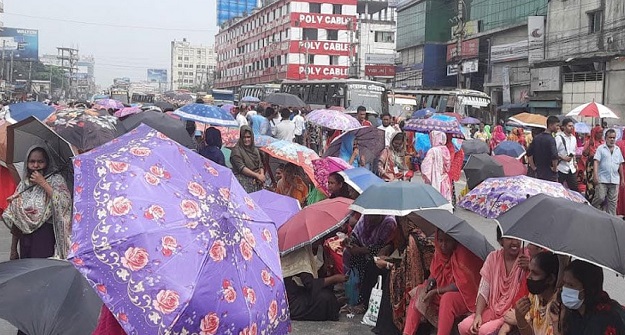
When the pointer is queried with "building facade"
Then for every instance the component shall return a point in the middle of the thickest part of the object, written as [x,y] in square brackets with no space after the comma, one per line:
[192,66]
[377,27]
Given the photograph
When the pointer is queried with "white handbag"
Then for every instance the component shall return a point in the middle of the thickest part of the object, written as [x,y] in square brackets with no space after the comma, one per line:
[371,316]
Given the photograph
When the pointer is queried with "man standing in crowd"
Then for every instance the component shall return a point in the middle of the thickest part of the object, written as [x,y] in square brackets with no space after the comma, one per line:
[608,173]
[242,116]
[388,128]
[543,153]
[285,130]
[481,134]
[362,116]
[566,144]
[300,126]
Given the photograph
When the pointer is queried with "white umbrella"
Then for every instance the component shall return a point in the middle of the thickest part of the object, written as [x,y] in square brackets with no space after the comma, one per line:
[592,109]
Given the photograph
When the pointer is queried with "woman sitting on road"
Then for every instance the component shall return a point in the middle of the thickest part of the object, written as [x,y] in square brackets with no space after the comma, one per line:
[247,163]
[502,284]
[451,290]
[339,188]
[586,309]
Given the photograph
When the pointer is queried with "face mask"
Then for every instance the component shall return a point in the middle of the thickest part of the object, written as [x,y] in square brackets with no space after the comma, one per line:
[537,286]
[570,298]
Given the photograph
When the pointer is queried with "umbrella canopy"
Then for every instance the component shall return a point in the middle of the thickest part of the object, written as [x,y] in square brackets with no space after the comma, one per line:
[592,109]
[109,103]
[291,152]
[582,128]
[285,100]
[530,120]
[568,228]
[47,297]
[370,142]
[26,133]
[22,110]
[510,148]
[250,99]
[324,167]
[171,241]
[332,119]
[475,146]
[337,108]
[470,120]
[459,229]
[128,111]
[423,113]
[228,107]
[83,128]
[511,166]
[174,129]
[399,198]
[451,128]
[353,109]
[206,114]
[457,116]
[480,167]
[496,196]
[280,208]
[163,105]
[3,142]
[312,223]
[360,178]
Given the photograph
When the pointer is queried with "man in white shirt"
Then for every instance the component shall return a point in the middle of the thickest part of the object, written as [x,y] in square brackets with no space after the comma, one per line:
[242,116]
[300,126]
[285,130]
[567,145]
[608,173]
[389,129]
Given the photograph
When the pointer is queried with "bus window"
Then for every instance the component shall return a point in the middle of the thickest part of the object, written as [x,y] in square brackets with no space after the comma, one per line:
[443,103]
[428,102]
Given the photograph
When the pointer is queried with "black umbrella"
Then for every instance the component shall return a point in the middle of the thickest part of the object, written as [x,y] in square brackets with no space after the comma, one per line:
[480,167]
[475,146]
[164,105]
[285,100]
[568,228]
[172,128]
[83,128]
[459,229]
[47,297]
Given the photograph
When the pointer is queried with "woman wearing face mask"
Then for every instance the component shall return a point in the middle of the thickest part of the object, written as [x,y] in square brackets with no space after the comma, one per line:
[586,309]
[531,311]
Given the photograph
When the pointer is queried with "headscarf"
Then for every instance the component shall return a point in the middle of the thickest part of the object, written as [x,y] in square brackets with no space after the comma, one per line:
[375,235]
[212,149]
[513,136]
[212,137]
[347,149]
[457,160]
[497,137]
[521,137]
[243,156]
[34,207]
[300,261]
[460,268]
[502,287]
[487,130]
[436,165]
[592,144]
[399,155]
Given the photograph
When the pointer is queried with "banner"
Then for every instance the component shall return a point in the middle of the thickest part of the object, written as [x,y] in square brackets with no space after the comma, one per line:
[324,21]
[379,59]
[380,70]
[157,75]
[23,44]
[311,71]
[536,38]
[320,48]
[470,49]
[509,52]
[505,74]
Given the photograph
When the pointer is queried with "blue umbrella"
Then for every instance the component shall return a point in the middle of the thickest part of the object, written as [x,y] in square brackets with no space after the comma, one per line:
[399,198]
[509,148]
[22,110]
[206,114]
[360,178]
[250,99]
[279,208]
[582,128]
[443,117]
[423,113]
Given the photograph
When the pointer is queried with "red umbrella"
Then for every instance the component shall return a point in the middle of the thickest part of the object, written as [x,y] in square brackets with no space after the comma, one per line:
[312,223]
[511,166]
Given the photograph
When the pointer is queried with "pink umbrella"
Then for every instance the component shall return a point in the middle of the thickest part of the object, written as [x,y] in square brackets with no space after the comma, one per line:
[511,166]
[324,167]
[127,111]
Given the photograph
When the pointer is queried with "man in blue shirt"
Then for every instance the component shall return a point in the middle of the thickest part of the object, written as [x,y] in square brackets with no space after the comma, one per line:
[608,173]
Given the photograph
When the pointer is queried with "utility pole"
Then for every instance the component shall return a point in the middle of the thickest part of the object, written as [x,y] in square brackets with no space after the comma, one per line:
[11,68]
[460,35]
[30,74]
[3,64]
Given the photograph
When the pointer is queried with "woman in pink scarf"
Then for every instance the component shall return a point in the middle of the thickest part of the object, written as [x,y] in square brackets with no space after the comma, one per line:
[436,165]
[503,278]
[498,137]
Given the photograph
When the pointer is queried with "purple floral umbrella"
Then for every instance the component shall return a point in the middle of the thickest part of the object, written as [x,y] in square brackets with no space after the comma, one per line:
[332,119]
[451,128]
[109,103]
[172,243]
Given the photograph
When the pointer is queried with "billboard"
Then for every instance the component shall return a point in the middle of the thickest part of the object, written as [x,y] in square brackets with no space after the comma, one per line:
[536,38]
[228,9]
[379,59]
[22,43]
[157,75]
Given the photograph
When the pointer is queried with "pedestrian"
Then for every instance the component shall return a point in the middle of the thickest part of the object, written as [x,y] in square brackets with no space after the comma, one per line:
[362,116]
[274,118]
[620,205]
[590,148]
[285,129]
[300,126]
[212,148]
[247,163]
[389,129]
[481,133]
[242,116]
[543,153]
[608,173]
[392,163]
[567,145]
[498,136]
[436,165]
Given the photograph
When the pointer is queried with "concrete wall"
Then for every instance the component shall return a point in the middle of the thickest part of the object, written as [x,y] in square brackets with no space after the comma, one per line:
[614,84]
[567,28]
[518,69]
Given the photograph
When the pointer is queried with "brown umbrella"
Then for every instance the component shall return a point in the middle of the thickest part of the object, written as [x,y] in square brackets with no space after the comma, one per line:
[530,120]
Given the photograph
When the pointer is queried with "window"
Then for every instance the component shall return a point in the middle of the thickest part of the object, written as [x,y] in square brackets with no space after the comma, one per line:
[594,21]
[385,36]
[314,8]
[309,34]
[186,58]
[337,9]
[334,60]
[311,59]
[333,35]
[179,58]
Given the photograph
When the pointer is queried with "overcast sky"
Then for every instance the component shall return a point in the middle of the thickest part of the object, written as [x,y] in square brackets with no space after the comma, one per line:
[108,30]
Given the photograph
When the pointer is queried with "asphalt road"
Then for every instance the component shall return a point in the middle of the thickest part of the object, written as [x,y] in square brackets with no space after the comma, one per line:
[613,285]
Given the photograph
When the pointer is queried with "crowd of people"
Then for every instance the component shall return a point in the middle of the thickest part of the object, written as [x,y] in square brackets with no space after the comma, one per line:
[429,281]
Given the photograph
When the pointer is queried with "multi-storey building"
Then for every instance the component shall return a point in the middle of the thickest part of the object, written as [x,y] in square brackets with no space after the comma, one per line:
[377,26]
[192,66]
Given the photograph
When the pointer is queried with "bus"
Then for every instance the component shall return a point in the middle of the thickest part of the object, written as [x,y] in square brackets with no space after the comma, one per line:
[142,98]
[462,101]
[222,97]
[120,95]
[340,92]
[260,91]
